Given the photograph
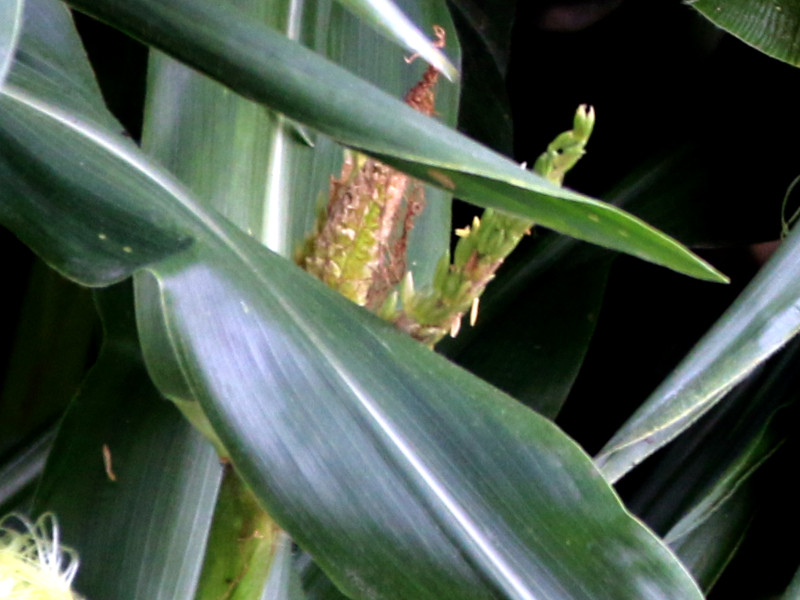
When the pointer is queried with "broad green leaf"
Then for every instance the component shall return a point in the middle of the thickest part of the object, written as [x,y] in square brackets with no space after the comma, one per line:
[139,515]
[771,26]
[10,25]
[764,318]
[397,470]
[261,64]
[267,177]
[264,173]
[63,216]
[312,409]
[52,82]
[390,20]
[702,492]
[51,64]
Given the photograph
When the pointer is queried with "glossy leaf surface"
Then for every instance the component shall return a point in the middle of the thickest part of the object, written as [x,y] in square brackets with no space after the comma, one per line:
[389,19]
[772,27]
[271,175]
[127,462]
[261,64]
[354,432]
[387,462]
[763,319]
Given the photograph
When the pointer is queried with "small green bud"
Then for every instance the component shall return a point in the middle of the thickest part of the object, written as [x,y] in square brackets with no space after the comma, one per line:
[388,310]
[407,292]
[583,123]
[442,271]
[464,249]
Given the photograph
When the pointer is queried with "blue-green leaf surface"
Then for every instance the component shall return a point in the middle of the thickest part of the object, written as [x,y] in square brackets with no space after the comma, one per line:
[373,452]
[268,178]
[769,25]
[403,475]
[132,484]
[261,64]
[762,320]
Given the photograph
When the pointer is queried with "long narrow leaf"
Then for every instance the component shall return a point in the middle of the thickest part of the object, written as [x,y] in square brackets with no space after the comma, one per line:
[124,465]
[772,27]
[257,168]
[400,472]
[763,319]
[334,422]
[261,64]
[269,177]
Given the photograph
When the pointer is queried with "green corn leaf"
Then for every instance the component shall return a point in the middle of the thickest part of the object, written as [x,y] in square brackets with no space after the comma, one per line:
[401,473]
[762,320]
[124,464]
[772,27]
[10,25]
[261,64]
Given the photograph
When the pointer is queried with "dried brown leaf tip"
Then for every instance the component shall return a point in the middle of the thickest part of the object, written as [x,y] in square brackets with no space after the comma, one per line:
[422,97]
[360,240]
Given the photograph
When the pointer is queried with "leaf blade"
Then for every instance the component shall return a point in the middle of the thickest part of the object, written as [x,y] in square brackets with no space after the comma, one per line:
[245,299]
[158,470]
[260,64]
[768,26]
[764,317]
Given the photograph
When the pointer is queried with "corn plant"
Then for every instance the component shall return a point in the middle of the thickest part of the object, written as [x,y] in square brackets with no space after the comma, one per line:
[213,421]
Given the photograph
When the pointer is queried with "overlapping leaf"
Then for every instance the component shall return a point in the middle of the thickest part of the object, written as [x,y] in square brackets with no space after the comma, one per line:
[404,475]
[261,64]
[133,485]
[269,176]
[762,320]
[772,27]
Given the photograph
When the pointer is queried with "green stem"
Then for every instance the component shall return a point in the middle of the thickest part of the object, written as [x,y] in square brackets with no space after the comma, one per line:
[241,545]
